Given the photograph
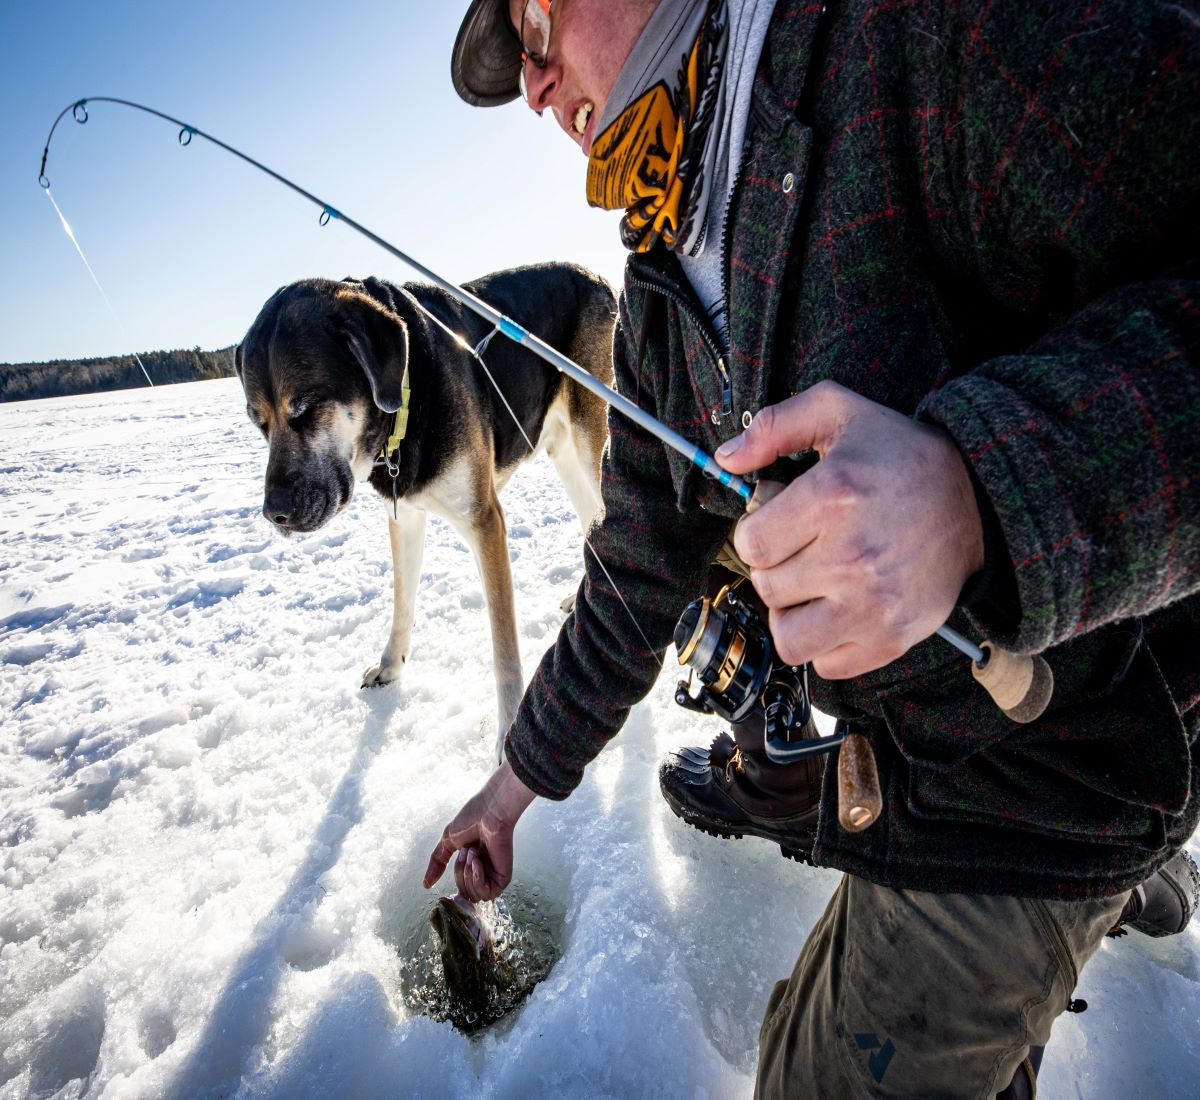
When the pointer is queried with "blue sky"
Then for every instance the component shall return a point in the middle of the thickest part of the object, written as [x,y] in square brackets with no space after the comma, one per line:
[352,100]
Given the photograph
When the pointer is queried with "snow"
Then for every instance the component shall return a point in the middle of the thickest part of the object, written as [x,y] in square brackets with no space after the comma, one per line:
[211,841]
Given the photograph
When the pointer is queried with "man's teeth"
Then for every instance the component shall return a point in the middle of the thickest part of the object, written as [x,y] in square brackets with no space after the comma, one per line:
[582,116]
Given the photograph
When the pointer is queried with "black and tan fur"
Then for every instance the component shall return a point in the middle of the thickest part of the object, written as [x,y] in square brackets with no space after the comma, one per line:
[321,367]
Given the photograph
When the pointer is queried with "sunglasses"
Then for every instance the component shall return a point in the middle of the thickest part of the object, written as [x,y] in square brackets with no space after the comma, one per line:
[535,36]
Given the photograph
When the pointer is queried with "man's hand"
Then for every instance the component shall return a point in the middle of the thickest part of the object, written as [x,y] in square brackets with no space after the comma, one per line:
[865,554]
[482,834]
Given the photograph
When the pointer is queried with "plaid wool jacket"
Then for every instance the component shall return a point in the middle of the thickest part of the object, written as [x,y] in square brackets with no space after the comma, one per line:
[982,213]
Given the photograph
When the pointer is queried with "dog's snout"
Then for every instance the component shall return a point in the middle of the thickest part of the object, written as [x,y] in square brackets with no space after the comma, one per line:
[278,506]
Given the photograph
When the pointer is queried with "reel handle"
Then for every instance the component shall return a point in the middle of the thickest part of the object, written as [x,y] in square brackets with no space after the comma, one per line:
[859,800]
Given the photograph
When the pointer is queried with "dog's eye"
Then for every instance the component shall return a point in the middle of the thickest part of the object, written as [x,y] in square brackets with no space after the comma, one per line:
[256,420]
[301,412]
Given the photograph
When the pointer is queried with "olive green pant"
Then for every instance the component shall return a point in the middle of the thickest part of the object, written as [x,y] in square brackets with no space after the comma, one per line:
[921,996]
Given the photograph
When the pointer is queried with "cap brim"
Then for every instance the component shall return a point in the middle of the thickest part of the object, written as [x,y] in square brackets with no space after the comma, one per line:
[486,64]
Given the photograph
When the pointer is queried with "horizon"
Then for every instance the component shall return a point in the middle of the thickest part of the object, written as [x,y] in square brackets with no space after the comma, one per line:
[117,355]
[187,242]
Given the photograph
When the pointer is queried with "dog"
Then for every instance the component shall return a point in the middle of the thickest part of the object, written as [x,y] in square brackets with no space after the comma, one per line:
[324,367]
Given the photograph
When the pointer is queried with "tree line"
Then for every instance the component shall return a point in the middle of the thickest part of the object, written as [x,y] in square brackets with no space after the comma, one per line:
[63,377]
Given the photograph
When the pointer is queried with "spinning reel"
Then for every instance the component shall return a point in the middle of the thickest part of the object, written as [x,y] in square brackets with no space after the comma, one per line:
[725,643]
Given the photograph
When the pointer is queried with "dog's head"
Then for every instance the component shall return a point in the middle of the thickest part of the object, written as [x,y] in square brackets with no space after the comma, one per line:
[317,362]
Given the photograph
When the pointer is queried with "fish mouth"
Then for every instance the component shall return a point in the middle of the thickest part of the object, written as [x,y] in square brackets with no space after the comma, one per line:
[456,920]
[443,977]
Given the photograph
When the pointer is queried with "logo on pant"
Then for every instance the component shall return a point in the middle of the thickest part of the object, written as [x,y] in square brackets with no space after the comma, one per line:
[881,1053]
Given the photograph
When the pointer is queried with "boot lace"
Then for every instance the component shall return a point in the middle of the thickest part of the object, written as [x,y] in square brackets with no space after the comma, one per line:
[734,764]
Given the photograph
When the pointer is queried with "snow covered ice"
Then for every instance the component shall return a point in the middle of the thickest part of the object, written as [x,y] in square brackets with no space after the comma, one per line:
[211,841]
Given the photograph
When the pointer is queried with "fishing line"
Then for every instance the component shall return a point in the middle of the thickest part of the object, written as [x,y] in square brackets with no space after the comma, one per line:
[71,235]
[501,323]
[510,328]
[477,352]
[1025,681]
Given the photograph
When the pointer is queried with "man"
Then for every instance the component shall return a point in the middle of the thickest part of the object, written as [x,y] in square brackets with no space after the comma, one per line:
[948,249]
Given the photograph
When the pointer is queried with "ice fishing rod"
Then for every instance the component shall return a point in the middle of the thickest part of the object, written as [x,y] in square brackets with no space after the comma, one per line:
[494,317]
[1020,685]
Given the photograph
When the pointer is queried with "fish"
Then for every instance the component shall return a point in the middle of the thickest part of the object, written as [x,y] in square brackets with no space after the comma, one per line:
[478,976]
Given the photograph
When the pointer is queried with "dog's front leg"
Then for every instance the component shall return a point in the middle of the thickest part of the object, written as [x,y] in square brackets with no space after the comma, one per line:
[494,569]
[406,533]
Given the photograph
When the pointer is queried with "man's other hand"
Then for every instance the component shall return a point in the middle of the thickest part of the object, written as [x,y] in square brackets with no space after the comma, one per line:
[482,834]
[865,554]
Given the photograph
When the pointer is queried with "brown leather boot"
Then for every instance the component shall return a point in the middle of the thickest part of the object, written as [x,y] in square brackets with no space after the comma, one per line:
[732,789]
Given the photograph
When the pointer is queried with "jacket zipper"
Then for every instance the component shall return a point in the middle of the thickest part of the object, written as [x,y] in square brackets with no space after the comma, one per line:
[758,117]
[708,337]
[726,256]
[726,387]
[726,264]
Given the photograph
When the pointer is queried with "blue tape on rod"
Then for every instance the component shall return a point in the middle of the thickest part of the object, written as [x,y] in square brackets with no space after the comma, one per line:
[724,477]
[511,329]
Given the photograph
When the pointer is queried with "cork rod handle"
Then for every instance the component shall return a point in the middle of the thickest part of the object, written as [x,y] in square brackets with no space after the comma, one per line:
[859,800]
[1021,686]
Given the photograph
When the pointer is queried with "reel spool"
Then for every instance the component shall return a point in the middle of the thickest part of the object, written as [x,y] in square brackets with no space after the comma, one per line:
[729,650]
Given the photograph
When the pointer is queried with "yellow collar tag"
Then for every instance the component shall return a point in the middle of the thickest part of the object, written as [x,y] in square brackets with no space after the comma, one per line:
[400,424]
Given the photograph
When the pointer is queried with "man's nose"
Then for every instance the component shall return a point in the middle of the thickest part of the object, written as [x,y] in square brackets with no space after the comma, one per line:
[540,83]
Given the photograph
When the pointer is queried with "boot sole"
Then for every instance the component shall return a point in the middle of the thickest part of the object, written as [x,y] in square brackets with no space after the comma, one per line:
[799,855]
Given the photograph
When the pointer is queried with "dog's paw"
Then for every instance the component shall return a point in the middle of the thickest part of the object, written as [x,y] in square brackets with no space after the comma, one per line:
[568,605]
[378,676]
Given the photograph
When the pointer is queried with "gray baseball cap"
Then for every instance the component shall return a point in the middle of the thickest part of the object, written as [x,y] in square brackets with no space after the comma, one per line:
[486,64]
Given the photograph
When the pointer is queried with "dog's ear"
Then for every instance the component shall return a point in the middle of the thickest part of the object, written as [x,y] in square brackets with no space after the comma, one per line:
[237,360]
[378,339]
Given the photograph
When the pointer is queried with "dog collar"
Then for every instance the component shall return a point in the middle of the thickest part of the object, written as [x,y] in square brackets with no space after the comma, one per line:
[399,425]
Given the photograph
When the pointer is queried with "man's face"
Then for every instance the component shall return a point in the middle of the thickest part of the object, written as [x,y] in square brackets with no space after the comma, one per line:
[589,44]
